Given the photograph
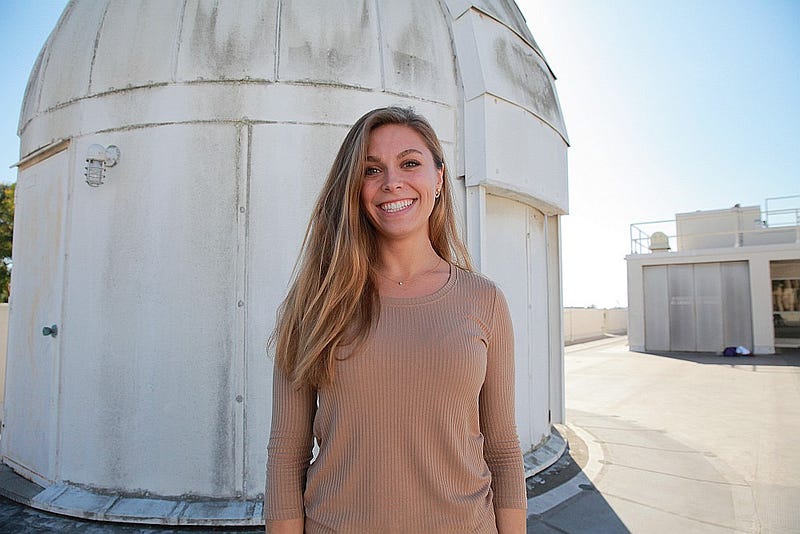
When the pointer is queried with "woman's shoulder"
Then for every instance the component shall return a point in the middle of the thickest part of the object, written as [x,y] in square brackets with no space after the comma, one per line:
[481,298]
[477,284]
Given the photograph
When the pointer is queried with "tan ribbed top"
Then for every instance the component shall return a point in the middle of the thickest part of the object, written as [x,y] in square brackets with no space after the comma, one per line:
[417,432]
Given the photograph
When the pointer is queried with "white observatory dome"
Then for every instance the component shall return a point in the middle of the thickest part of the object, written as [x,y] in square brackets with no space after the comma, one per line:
[150,400]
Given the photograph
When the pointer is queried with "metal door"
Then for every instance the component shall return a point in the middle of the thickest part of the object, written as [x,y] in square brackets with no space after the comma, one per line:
[515,258]
[32,372]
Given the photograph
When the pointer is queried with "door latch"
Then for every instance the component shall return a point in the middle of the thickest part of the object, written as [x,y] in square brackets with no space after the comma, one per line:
[50,331]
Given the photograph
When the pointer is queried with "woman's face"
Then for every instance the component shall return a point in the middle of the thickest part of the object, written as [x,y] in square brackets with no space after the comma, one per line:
[400,182]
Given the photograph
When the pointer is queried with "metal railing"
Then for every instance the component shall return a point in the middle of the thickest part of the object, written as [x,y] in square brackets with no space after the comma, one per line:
[778,223]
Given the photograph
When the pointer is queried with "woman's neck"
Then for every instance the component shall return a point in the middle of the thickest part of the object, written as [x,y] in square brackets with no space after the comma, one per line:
[404,260]
[410,270]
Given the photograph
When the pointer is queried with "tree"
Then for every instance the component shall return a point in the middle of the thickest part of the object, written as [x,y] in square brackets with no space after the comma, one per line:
[6,236]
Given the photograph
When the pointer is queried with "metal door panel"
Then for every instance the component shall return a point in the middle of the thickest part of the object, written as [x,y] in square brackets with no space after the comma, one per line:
[656,308]
[736,309]
[506,263]
[681,308]
[708,307]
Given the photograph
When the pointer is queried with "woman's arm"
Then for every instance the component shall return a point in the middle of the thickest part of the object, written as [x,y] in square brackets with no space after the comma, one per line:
[289,453]
[287,526]
[498,423]
[510,521]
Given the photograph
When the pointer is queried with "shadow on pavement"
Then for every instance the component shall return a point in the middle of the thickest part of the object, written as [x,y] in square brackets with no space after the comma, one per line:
[577,505]
[783,358]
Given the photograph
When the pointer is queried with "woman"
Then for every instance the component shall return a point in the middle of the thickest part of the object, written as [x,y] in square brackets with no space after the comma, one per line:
[393,355]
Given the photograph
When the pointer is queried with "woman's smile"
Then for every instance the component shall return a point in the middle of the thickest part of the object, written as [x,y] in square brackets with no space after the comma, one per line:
[396,206]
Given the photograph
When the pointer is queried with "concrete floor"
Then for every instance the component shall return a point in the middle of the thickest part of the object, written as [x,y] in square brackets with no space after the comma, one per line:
[690,443]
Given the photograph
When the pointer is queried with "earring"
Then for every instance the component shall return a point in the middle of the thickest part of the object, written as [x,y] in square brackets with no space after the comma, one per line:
[436,193]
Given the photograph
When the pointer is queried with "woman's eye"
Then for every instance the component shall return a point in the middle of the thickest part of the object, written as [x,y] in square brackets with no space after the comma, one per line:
[371,171]
[410,163]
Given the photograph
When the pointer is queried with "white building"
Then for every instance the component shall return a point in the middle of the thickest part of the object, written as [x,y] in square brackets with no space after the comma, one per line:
[138,387]
[715,279]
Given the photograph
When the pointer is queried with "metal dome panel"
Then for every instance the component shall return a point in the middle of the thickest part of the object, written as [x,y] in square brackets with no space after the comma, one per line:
[219,44]
[136,45]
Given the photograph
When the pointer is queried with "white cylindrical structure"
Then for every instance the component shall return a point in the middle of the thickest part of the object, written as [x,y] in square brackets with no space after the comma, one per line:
[163,281]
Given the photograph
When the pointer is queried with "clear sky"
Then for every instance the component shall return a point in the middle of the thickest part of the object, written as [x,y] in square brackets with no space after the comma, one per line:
[671,106]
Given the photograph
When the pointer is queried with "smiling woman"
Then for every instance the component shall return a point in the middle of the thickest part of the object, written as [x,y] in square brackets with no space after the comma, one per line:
[387,337]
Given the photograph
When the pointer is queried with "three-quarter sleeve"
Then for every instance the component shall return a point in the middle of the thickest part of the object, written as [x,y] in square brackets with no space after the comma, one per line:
[290,448]
[498,424]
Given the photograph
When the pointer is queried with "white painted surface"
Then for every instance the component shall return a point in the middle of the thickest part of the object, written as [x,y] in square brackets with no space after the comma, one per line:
[537,331]
[556,328]
[148,29]
[171,272]
[320,43]
[761,297]
[717,228]
[516,248]
[709,229]
[210,36]
[615,321]
[30,433]
[581,324]
[151,316]
[413,54]
[516,155]
[510,68]
[515,137]
[3,349]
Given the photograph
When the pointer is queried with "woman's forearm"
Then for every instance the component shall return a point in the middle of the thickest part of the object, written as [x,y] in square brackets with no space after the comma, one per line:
[287,526]
[510,520]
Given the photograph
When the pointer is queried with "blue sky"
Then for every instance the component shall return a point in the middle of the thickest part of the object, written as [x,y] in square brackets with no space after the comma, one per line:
[671,106]
[24,27]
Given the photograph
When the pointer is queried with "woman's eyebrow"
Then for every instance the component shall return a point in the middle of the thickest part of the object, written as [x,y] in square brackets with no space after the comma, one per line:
[401,155]
[407,151]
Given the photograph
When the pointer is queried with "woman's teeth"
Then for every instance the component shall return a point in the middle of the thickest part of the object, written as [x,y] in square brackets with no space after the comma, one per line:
[391,207]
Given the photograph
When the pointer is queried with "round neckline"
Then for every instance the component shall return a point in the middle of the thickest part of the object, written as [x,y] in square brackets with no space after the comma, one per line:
[411,301]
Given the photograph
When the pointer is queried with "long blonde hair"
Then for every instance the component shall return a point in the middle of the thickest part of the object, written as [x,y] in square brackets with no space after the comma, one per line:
[333,299]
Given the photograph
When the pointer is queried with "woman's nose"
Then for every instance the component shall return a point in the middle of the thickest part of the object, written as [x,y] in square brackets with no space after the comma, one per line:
[391,181]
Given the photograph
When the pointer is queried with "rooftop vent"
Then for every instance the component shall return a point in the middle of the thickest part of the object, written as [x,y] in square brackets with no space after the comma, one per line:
[659,242]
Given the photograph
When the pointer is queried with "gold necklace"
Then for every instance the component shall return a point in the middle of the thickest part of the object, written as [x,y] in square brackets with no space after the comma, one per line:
[406,281]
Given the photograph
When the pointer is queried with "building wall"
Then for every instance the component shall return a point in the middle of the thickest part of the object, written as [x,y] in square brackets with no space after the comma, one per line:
[615,321]
[716,228]
[582,324]
[758,260]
